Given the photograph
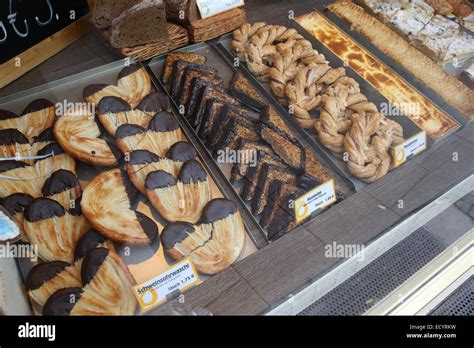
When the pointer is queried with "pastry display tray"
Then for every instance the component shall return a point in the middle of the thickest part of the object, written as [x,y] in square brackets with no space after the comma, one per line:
[217,60]
[143,262]
[409,128]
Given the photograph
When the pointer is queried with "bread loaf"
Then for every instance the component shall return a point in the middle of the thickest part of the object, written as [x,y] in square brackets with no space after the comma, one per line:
[182,11]
[106,10]
[139,25]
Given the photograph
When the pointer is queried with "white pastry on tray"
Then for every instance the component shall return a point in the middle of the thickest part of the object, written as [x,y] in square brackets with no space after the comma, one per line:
[461,47]
[412,18]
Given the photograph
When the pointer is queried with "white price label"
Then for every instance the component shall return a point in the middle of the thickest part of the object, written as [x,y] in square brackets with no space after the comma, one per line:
[157,290]
[209,8]
[409,148]
[318,198]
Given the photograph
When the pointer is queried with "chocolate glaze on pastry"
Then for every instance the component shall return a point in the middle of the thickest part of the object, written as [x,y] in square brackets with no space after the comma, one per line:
[43,272]
[5,166]
[60,304]
[128,70]
[76,210]
[53,149]
[37,105]
[60,181]
[148,226]
[89,241]
[12,136]
[46,135]
[128,130]
[175,233]
[93,89]
[155,102]
[163,122]
[7,115]
[217,209]
[159,179]
[182,151]
[16,203]
[113,105]
[192,171]
[91,264]
[42,209]
[142,157]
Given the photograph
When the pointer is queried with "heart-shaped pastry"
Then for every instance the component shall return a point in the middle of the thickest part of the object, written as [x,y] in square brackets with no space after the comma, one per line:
[107,289]
[107,204]
[212,245]
[180,199]
[39,115]
[53,229]
[163,131]
[63,187]
[140,163]
[80,136]
[114,111]
[15,205]
[54,158]
[132,86]
[17,176]
[46,278]
[89,241]
[13,144]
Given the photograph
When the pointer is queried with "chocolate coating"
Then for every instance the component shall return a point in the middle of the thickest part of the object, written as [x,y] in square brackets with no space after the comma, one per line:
[76,210]
[175,233]
[16,203]
[129,70]
[128,130]
[182,151]
[91,264]
[46,135]
[43,272]
[7,115]
[42,209]
[60,181]
[89,241]
[148,226]
[5,166]
[60,304]
[155,102]
[163,122]
[217,209]
[12,136]
[37,105]
[93,89]
[159,179]
[143,157]
[113,105]
[53,149]
[192,170]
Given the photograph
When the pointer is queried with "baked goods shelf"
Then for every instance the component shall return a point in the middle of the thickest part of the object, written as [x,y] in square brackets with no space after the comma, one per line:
[145,261]
[216,60]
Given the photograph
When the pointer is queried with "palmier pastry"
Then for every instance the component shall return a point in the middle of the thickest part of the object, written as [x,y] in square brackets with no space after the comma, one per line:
[18,176]
[214,244]
[163,131]
[45,138]
[55,158]
[46,278]
[132,86]
[80,136]
[63,187]
[106,202]
[89,241]
[15,205]
[53,229]
[179,199]
[140,163]
[13,144]
[107,289]
[37,116]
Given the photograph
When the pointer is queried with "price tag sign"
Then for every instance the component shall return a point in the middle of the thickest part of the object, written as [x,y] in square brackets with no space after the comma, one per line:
[318,198]
[157,290]
[209,8]
[409,148]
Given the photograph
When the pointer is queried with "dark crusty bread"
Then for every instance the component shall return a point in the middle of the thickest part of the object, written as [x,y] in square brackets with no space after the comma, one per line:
[190,57]
[141,24]
[182,11]
[241,89]
[105,11]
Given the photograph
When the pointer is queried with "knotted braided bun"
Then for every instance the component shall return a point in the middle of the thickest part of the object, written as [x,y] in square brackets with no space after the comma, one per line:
[241,38]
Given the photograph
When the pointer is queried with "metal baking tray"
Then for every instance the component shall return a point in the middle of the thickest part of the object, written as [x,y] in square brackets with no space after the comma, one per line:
[144,262]
[216,60]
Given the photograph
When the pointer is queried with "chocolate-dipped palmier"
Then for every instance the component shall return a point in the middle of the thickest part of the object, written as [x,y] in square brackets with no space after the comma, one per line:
[62,186]
[15,204]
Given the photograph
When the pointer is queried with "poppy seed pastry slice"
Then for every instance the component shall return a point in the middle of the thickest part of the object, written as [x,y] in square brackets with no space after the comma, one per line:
[209,117]
[46,278]
[250,151]
[80,136]
[178,71]
[214,244]
[196,71]
[284,219]
[39,115]
[140,163]
[53,229]
[236,129]
[180,199]
[241,89]
[106,202]
[189,57]
[63,187]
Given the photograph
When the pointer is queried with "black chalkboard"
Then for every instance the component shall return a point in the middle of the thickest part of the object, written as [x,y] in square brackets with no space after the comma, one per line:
[24,23]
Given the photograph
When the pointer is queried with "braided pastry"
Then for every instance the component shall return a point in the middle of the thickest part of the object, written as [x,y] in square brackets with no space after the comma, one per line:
[241,37]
